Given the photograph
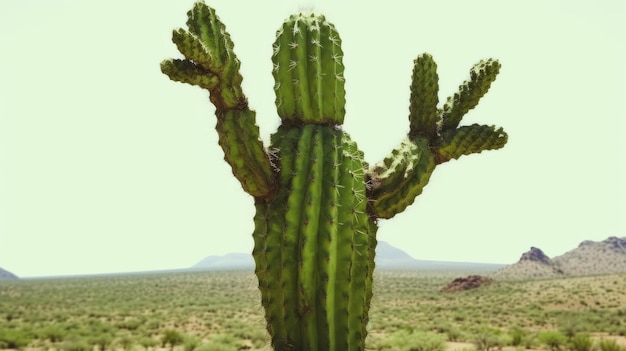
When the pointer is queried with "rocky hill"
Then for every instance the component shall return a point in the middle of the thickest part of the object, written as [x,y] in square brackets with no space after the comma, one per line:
[536,255]
[6,275]
[534,264]
[467,283]
[589,258]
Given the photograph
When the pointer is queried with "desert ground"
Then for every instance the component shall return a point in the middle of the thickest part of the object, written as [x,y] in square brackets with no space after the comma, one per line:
[209,310]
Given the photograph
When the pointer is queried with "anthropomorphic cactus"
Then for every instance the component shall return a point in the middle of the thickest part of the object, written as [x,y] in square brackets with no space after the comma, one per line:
[317,200]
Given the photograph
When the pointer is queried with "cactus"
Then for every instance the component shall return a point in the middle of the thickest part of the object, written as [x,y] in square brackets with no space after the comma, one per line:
[317,200]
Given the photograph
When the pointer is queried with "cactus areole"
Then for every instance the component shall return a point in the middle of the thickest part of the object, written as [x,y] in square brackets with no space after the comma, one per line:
[317,200]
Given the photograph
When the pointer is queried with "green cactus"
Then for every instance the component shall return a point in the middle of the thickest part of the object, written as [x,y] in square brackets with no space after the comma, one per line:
[317,200]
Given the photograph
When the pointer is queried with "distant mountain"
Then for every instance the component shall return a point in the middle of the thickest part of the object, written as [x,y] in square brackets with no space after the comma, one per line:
[226,262]
[388,257]
[589,258]
[6,275]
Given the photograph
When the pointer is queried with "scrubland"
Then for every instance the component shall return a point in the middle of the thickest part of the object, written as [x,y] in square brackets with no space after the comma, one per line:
[206,311]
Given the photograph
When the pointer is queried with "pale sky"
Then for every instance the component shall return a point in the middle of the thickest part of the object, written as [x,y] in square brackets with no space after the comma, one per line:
[108,166]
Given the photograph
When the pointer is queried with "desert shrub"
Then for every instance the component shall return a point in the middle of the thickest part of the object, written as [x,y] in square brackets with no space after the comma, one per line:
[593,320]
[190,343]
[568,326]
[126,342]
[610,345]
[14,339]
[147,342]
[152,325]
[553,339]
[454,334]
[442,326]
[427,342]
[171,337]
[101,340]
[530,340]
[54,333]
[405,340]
[486,338]
[130,324]
[517,335]
[580,342]
[75,344]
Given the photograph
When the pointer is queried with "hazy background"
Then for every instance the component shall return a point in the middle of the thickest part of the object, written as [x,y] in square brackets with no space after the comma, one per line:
[107,166]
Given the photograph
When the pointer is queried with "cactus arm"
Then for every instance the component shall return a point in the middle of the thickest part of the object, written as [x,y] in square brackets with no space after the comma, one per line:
[207,48]
[400,177]
[211,64]
[470,92]
[468,140]
[433,136]
[423,114]
[185,71]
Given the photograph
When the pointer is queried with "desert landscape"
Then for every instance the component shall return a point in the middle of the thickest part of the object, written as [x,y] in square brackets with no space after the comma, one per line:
[221,310]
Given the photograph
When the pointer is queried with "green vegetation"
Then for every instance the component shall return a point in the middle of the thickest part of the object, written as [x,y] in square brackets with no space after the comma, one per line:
[488,338]
[172,338]
[553,339]
[202,311]
[580,342]
[404,339]
[610,345]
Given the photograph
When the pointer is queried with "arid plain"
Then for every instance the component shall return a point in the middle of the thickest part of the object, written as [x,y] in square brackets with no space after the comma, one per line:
[212,310]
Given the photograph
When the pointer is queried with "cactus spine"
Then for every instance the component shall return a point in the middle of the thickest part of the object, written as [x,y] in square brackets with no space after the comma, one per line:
[317,200]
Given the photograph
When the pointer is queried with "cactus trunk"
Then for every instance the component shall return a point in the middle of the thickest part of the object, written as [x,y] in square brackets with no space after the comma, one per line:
[314,243]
